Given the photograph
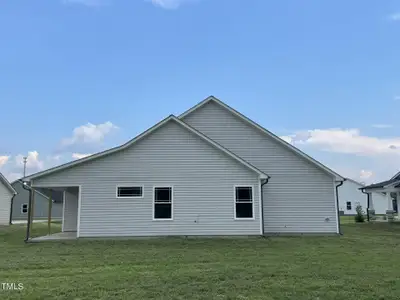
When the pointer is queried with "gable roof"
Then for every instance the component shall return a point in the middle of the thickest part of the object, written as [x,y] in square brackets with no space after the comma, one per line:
[7,184]
[171,118]
[265,131]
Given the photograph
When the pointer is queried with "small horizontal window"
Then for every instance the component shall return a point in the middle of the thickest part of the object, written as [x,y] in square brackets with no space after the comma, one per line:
[129,191]
[24,208]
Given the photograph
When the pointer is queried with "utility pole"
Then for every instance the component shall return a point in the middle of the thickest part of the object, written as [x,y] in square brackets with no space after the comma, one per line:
[25,160]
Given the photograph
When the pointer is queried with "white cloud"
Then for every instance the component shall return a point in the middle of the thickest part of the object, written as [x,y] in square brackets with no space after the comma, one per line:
[345,141]
[33,163]
[382,126]
[3,160]
[170,4]
[89,134]
[90,3]
[287,139]
[395,17]
[55,158]
[366,175]
[13,171]
[79,155]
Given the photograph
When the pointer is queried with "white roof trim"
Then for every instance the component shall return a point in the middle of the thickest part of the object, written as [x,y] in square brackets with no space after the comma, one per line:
[397,174]
[354,181]
[268,133]
[139,137]
[7,184]
[392,184]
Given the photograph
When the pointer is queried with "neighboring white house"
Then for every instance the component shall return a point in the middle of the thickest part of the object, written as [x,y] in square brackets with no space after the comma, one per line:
[391,188]
[350,196]
[6,194]
[210,171]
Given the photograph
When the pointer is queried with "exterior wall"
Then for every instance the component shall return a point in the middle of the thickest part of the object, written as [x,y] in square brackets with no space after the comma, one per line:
[41,205]
[299,198]
[70,216]
[203,180]
[5,204]
[349,191]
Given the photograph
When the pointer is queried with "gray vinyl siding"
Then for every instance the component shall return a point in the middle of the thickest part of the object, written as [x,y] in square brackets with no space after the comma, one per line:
[299,197]
[5,204]
[70,217]
[41,205]
[202,177]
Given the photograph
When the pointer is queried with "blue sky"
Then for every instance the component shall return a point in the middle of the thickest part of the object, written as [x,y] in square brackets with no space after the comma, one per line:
[80,76]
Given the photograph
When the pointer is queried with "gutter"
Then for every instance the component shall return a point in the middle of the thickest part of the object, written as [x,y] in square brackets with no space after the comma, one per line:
[28,224]
[262,203]
[368,201]
[337,204]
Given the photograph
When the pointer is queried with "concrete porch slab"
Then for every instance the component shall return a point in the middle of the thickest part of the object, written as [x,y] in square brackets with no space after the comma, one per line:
[55,237]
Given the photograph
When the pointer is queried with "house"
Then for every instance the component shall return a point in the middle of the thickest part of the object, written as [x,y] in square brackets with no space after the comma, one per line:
[209,172]
[6,194]
[391,188]
[41,203]
[350,196]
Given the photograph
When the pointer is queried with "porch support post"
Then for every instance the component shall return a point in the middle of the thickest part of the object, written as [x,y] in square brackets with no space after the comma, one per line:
[32,210]
[49,214]
[389,212]
[371,209]
[398,204]
[28,223]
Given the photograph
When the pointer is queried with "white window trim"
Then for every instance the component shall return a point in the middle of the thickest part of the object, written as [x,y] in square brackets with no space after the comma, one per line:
[27,208]
[234,201]
[172,201]
[129,185]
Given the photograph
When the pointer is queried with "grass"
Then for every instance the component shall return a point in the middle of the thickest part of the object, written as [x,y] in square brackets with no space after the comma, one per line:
[351,219]
[361,264]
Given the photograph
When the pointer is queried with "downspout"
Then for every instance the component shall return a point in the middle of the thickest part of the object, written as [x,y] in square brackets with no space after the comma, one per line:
[11,208]
[368,201]
[337,204]
[262,204]
[28,224]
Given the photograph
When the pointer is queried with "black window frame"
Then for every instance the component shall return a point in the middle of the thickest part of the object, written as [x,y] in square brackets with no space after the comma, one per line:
[243,202]
[160,206]
[347,205]
[22,208]
[132,195]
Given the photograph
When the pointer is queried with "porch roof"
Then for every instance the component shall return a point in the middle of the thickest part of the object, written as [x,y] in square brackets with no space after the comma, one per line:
[392,183]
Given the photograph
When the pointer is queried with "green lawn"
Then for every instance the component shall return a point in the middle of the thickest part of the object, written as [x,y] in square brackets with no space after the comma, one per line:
[364,263]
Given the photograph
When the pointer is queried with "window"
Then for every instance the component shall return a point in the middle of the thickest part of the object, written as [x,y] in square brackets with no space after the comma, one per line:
[162,203]
[348,205]
[24,208]
[129,191]
[243,202]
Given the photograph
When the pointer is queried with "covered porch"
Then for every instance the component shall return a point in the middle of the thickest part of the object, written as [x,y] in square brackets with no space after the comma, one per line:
[70,213]
[391,188]
[55,237]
